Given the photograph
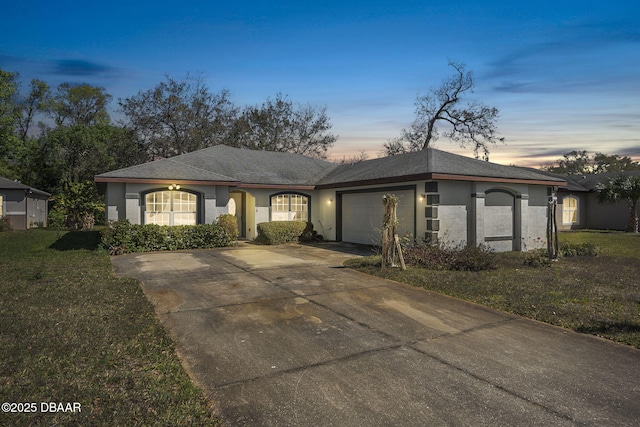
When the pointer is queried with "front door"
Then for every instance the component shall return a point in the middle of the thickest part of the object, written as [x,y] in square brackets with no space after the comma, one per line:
[239,199]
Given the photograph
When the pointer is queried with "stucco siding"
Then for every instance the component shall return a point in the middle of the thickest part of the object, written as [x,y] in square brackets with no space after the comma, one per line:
[453,225]
[605,216]
[537,228]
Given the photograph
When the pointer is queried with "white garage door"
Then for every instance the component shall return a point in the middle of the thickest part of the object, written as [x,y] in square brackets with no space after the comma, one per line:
[362,215]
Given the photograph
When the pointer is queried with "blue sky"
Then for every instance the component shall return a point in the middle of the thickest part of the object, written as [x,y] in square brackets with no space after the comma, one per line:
[564,74]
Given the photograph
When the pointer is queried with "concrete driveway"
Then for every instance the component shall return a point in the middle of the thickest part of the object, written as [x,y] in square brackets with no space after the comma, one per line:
[287,336]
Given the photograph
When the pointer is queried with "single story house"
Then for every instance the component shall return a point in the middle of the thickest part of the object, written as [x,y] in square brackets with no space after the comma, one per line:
[24,206]
[442,196]
[578,205]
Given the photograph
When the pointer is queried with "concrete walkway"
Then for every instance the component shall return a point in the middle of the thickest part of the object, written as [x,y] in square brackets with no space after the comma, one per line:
[286,336]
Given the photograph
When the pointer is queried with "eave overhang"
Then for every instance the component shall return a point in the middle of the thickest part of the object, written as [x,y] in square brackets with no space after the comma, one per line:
[161,181]
[442,177]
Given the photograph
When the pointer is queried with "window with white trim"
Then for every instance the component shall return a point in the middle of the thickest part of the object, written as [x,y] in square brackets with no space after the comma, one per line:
[570,211]
[170,208]
[289,207]
[1,205]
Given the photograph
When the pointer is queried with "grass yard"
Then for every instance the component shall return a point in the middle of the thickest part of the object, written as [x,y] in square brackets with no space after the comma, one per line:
[596,295]
[72,332]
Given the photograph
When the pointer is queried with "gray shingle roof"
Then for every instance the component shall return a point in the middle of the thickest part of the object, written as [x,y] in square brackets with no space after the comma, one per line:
[587,182]
[171,168]
[259,167]
[429,161]
[17,185]
[228,164]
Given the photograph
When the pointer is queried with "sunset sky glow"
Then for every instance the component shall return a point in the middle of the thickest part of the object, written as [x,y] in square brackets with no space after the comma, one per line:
[565,75]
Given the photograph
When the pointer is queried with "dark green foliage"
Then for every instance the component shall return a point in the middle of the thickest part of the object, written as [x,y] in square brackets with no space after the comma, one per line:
[122,237]
[278,232]
[540,257]
[229,224]
[468,258]
[582,162]
[80,204]
[56,217]
[578,249]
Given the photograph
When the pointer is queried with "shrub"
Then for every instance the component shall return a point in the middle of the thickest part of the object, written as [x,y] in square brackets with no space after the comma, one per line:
[309,234]
[56,218]
[469,258]
[121,237]
[79,204]
[5,224]
[537,258]
[578,249]
[229,224]
[278,232]
[475,258]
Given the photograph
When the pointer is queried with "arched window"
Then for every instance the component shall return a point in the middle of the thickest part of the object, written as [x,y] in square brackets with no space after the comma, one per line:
[289,207]
[171,208]
[570,210]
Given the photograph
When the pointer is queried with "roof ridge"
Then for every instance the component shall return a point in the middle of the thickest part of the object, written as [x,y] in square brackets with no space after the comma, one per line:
[135,166]
[171,159]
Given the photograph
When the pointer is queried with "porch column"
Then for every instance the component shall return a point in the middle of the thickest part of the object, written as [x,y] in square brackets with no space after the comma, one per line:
[132,207]
[476,226]
[521,218]
[210,210]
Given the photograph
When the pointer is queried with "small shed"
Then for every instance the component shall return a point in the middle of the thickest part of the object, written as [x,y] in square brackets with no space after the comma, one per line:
[24,206]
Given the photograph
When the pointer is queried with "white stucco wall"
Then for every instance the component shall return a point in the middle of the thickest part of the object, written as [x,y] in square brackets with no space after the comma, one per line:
[453,225]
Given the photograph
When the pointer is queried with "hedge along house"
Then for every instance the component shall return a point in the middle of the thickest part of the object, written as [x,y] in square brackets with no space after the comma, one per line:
[442,196]
[24,206]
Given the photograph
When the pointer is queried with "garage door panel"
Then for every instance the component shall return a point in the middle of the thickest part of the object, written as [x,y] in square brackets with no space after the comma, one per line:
[362,215]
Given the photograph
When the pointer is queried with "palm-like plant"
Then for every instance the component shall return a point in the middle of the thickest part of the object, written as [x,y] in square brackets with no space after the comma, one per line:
[622,188]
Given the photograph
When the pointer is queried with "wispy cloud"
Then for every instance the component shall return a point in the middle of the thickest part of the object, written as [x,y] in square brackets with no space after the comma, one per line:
[56,71]
[80,68]
[568,59]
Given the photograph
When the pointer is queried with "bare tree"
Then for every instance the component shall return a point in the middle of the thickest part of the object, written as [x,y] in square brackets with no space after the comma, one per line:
[471,124]
[280,125]
[355,158]
[177,117]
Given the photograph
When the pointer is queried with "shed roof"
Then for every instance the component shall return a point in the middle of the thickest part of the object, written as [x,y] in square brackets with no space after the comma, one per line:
[17,185]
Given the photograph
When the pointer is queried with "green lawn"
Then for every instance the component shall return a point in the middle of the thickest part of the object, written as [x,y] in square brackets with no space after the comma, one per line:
[72,332]
[612,243]
[597,295]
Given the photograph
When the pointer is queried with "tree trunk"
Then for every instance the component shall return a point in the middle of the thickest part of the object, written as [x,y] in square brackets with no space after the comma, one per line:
[388,229]
[632,226]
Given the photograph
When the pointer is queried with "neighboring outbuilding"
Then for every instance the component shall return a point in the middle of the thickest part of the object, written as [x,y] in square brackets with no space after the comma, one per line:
[442,196]
[24,206]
